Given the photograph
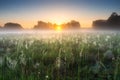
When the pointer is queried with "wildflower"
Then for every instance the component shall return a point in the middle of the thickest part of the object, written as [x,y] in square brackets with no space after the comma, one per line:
[94,43]
[38,72]
[11,63]
[26,46]
[46,76]
[98,36]
[107,38]
[31,42]
[58,62]
[85,41]
[22,59]
[36,65]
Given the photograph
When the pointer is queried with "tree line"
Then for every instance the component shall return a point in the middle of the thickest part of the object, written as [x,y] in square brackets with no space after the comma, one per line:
[113,22]
[41,25]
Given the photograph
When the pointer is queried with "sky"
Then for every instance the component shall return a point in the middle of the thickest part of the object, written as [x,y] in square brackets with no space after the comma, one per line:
[29,12]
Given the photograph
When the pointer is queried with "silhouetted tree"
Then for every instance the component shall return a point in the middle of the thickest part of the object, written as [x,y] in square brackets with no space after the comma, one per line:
[75,24]
[11,25]
[42,25]
[72,25]
[50,25]
[114,19]
[99,23]
[113,22]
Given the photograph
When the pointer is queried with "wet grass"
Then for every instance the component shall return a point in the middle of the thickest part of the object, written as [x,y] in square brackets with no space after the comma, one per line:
[80,56]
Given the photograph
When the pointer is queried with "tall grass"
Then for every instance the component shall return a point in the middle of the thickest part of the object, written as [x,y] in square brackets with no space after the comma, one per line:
[76,56]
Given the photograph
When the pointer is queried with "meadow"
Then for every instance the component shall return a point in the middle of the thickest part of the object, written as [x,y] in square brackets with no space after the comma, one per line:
[60,56]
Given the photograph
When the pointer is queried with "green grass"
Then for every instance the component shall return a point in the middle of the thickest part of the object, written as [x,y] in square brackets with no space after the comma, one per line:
[77,56]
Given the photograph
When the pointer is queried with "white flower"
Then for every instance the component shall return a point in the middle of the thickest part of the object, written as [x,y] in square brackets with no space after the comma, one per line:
[46,76]
[36,65]
[98,36]
[11,63]
[94,43]
[22,59]
[88,37]
[31,42]
[85,41]
[26,46]
[38,72]
[108,37]
[58,62]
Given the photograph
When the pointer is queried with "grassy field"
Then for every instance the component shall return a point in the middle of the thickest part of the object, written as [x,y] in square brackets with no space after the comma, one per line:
[60,56]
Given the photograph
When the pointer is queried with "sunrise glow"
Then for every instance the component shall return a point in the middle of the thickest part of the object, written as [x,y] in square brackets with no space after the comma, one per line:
[28,13]
[58,28]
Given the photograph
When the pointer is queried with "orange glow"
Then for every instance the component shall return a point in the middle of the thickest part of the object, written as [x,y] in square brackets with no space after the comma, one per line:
[58,28]
[29,24]
[58,21]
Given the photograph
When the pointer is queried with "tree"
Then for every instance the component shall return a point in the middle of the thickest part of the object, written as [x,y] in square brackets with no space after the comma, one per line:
[113,22]
[72,25]
[114,19]
[42,25]
[11,25]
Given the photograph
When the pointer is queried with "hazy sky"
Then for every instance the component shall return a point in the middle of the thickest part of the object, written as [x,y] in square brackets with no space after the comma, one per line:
[28,12]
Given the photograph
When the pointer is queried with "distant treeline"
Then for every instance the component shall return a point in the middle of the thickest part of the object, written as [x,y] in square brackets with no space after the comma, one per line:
[113,22]
[70,25]
[41,25]
[12,26]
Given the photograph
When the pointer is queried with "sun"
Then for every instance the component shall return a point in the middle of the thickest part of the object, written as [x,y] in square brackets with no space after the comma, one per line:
[58,28]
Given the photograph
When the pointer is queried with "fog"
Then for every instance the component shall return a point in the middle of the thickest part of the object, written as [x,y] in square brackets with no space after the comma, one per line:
[18,32]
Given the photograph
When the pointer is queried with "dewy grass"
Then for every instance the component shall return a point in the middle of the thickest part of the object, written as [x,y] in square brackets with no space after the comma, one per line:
[66,56]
